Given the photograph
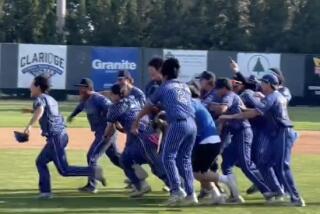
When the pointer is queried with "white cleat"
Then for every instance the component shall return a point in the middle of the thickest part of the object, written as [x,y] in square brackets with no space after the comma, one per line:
[175,198]
[299,203]
[235,200]
[190,200]
[45,196]
[145,188]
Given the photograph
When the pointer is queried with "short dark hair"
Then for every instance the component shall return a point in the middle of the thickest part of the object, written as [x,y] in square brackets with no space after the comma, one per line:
[156,62]
[170,68]
[43,82]
[224,83]
[118,90]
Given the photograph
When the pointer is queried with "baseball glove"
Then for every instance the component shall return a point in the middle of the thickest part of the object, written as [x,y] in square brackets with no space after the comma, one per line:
[21,137]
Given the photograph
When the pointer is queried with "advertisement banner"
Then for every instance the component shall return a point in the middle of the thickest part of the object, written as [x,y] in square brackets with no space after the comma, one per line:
[34,60]
[106,62]
[258,64]
[312,76]
[192,62]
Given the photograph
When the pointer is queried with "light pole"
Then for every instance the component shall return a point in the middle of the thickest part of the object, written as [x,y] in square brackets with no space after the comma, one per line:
[61,14]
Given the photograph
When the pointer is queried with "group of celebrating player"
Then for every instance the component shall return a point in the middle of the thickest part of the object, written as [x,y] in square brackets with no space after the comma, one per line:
[179,130]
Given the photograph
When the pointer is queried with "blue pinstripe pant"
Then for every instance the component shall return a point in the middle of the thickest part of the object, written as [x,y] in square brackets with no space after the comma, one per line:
[54,151]
[138,151]
[177,150]
[239,152]
[98,148]
[277,157]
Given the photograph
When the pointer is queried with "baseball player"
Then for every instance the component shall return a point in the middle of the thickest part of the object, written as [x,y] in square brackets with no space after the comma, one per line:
[277,153]
[175,98]
[140,148]
[96,107]
[281,88]
[154,67]
[207,148]
[239,150]
[125,80]
[45,110]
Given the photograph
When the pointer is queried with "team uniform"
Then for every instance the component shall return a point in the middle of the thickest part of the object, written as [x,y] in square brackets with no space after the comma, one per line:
[96,108]
[175,98]
[152,87]
[277,152]
[138,95]
[208,143]
[53,128]
[239,150]
[139,149]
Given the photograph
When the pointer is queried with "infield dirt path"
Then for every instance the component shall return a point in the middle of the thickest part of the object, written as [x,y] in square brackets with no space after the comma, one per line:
[81,138]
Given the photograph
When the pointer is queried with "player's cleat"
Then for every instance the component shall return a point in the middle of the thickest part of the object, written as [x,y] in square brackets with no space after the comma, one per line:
[166,189]
[235,200]
[204,194]
[252,190]
[299,203]
[218,200]
[45,195]
[190,200]
[88,189]
[145,188]
[175,198]
[98,174]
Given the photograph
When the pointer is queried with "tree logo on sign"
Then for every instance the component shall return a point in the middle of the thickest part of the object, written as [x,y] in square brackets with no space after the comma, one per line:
[258,65]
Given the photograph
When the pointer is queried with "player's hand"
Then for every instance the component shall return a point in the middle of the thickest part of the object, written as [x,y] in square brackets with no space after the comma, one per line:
[234,66]
[69,119]
[259,95]
[223,118]
[26,111]
[27,130]
[135,128]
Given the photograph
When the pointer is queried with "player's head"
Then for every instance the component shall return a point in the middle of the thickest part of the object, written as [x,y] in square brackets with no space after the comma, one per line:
[269,83]
[117,93]
[237,86]
[170,69]
[154,68]
[278,73]
[223,86]
[207,81]
[195,89]
[125,78]
[39,85]
[86,87]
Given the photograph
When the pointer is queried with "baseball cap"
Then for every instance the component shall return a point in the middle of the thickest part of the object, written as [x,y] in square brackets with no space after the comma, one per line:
[278,73]
[224,83]
[116,89]
[124,74]
[270,79]
[85,82]
[207,75]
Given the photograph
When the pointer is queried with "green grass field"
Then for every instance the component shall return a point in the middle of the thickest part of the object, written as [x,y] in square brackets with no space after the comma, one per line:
[18,190]
[305,118]
[18,178]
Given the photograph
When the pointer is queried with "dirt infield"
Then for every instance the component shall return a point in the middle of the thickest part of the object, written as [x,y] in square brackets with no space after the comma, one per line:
[80,139]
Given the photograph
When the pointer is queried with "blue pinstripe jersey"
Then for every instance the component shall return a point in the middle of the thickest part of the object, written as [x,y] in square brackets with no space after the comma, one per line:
[125,112]
[52,121]
[235,105]
[96,108]
[138,95]
[205,124]
[175,98]
[274,109]
[285,92]
[210,97]
[152,87]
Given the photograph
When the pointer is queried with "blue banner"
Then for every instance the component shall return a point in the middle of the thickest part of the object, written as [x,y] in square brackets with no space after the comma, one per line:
[106,62]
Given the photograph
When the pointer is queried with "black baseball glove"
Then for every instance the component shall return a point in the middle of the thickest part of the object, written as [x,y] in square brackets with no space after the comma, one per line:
[21,137]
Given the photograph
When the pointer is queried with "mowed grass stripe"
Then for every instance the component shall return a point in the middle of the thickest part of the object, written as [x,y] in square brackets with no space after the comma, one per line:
[305,118]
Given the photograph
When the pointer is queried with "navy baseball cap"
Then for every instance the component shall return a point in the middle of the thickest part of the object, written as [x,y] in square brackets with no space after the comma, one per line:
[224,83]
[270,79]
[124,74]
[85,82]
